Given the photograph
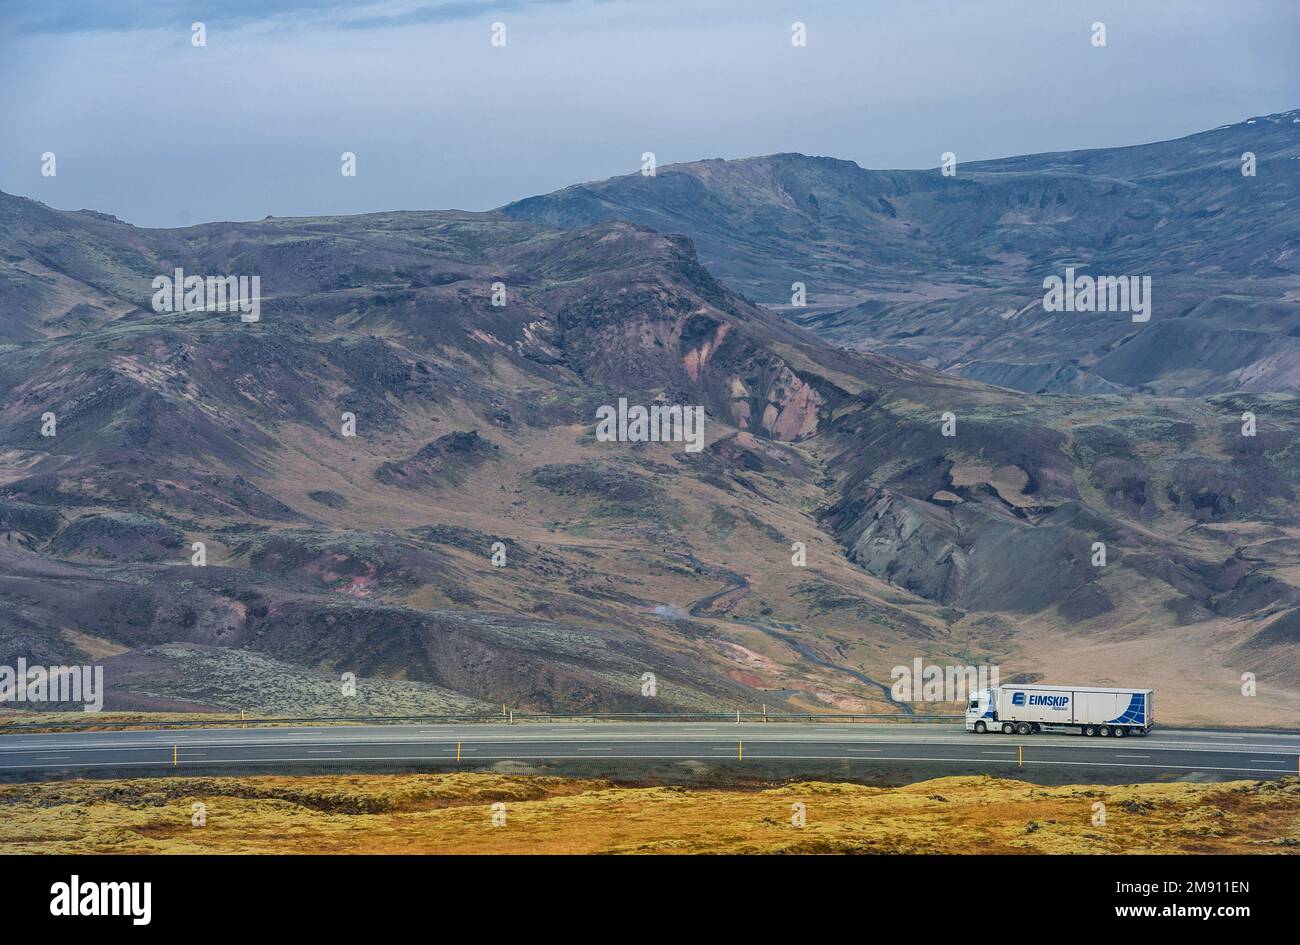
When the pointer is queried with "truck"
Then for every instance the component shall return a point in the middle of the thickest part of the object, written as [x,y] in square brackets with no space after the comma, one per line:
[1086,710]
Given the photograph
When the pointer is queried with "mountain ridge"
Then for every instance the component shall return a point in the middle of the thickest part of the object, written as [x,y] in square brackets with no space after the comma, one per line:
[372,554]
[947,271]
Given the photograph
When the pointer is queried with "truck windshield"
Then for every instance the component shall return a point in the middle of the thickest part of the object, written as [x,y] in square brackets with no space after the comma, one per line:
[974,704]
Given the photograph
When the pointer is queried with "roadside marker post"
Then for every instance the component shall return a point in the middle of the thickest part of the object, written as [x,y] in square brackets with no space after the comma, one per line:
[740,751]
[1021,761]
[458,749]
[175,760]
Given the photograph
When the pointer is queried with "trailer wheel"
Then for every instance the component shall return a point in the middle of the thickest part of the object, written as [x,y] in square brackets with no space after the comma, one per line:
[1104,731]
[1024,729]
[1008,729]
[1119,731]
[980,728]
[1089,730]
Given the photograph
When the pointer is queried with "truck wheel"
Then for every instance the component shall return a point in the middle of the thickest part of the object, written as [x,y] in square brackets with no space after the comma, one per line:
[1008,729]
[980,728]
[1104,731]
[1024,729]
[1119,731]
[1089,730]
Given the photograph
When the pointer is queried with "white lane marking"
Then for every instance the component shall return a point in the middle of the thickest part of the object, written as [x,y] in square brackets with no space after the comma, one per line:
[595,749]
[287,741]
[323,751]
[865,749]
[1264,761]
[756,734]
[342,735]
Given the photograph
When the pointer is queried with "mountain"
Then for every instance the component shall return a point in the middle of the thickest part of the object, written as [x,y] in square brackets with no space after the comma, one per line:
[948,271]
[475,438]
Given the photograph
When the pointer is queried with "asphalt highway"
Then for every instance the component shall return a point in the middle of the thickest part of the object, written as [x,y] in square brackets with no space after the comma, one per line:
[1162,754]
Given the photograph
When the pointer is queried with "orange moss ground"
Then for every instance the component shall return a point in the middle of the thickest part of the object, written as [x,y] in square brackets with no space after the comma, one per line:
[452,813]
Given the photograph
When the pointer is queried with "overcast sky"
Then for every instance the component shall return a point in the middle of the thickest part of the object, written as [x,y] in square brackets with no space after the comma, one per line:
[161,133]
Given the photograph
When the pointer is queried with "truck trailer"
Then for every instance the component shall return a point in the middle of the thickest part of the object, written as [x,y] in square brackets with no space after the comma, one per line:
[1087,710]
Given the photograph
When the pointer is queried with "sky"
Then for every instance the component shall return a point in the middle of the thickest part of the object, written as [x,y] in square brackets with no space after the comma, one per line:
[159,132]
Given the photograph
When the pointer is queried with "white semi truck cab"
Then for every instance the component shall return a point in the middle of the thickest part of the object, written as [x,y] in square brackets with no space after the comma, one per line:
[1025,710]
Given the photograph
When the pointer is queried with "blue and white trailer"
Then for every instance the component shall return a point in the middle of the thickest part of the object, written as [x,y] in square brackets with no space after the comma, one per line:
[1024,710]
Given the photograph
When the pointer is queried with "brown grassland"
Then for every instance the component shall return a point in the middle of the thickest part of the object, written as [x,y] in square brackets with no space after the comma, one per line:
[453,813]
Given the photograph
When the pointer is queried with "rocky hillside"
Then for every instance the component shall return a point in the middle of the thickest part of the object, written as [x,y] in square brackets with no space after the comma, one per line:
[392,476]
[948,270]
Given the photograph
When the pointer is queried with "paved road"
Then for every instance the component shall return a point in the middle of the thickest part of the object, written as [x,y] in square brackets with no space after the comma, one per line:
[1164,753]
